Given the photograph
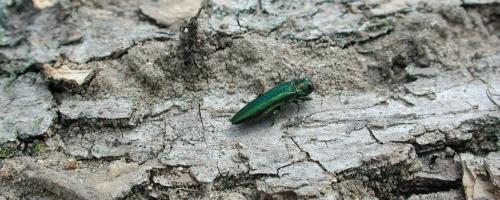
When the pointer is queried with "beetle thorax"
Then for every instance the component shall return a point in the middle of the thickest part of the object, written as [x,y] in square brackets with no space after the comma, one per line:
[303,87]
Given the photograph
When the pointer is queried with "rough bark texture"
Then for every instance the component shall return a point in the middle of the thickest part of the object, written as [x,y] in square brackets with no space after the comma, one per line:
[120,100]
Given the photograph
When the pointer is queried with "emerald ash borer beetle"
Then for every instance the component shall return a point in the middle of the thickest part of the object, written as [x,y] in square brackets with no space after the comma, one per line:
[275,99]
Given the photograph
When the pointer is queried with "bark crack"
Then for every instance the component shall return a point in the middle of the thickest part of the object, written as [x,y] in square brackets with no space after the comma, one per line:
[308,157]
[373,135]
[490,97]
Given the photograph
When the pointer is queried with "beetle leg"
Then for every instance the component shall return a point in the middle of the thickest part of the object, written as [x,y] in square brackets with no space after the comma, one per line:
[272,110]
[306,98]
[276,111]
[296,102]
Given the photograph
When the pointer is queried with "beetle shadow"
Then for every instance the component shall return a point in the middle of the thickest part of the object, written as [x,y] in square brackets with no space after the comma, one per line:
[252,126]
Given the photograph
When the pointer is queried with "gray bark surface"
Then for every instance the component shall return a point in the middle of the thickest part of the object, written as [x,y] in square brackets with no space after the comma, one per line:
[132,99]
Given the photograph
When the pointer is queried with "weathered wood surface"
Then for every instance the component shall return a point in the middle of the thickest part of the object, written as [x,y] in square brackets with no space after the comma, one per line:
[134,103]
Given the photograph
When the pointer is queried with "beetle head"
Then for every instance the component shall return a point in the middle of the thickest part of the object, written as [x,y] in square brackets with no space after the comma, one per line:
[304,86]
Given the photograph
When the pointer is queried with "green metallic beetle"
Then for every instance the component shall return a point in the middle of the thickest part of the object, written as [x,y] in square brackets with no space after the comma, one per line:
[275,99]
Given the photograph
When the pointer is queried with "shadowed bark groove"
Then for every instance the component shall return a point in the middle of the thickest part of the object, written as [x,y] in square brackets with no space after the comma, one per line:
[405,103]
